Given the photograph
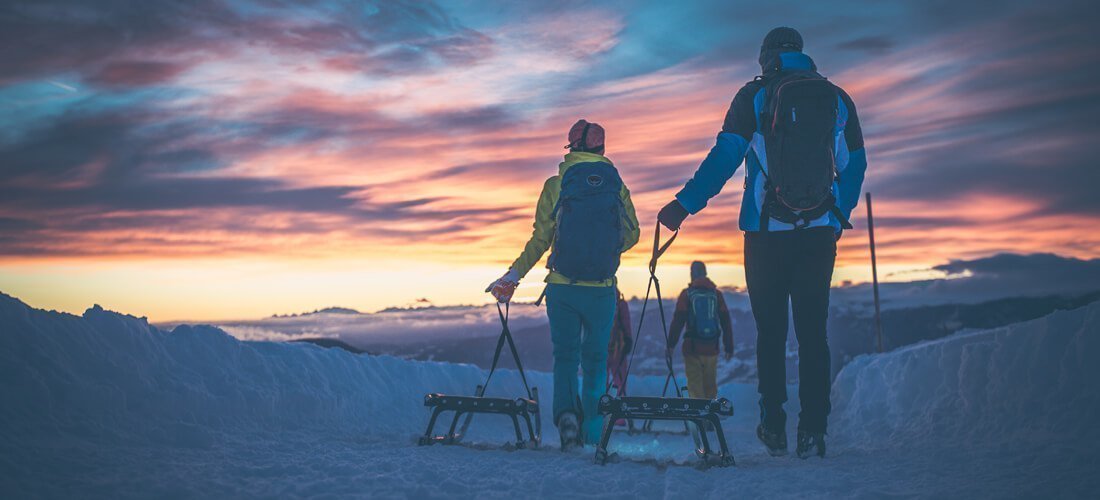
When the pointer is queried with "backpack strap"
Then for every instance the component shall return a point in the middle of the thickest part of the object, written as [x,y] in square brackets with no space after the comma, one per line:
[583,141]
[542,296]
[844,222]
[766,205]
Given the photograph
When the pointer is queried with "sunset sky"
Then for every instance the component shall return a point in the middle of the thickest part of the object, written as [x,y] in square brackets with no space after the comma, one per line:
[211,160]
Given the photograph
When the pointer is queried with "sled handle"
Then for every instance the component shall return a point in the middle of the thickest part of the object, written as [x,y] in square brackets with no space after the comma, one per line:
[658,248]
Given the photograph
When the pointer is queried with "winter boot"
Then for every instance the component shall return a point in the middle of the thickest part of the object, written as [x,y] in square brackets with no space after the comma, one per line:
[810,444]
[775,442]
[569,430]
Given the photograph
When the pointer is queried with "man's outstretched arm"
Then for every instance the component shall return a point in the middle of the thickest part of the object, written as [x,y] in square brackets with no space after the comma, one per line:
[719,165]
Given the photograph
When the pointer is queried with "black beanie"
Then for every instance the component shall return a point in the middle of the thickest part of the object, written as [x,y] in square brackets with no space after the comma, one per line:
[778,41]
[698,270]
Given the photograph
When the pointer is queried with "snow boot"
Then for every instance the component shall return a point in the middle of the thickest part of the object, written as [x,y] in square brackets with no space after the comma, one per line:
[810,444]
[569,430]
[775,442]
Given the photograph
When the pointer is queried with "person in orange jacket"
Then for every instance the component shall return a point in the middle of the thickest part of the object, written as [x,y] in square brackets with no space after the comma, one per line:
[701,310]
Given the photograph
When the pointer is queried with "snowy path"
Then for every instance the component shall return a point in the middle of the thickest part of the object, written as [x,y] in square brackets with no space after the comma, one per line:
[105,406]
[310,464]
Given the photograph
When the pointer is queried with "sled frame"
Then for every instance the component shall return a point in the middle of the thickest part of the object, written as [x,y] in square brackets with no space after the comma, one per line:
[697,411]
[517,409]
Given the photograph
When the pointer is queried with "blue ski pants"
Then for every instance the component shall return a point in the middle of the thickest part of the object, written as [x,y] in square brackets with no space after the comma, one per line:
[580,328]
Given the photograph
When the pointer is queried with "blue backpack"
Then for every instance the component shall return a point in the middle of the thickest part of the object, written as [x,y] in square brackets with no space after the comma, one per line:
[703,314]
[589,233]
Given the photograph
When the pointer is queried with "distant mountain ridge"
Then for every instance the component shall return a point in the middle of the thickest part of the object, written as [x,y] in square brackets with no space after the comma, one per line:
[327,310]
[330,343]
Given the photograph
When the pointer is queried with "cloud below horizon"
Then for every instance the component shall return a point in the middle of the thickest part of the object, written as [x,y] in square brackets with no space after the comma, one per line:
[973,281]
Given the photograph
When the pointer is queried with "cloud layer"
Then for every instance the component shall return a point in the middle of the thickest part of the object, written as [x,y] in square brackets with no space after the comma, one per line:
[325,128]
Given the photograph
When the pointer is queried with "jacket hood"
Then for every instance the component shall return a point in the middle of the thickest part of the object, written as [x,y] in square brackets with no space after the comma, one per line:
[789,61]
[703,282]
[575,157]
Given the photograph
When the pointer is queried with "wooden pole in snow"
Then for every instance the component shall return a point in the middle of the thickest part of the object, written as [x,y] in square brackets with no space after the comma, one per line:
[874,271]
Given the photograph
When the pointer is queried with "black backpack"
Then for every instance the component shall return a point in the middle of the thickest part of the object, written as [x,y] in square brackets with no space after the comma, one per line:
[798,124]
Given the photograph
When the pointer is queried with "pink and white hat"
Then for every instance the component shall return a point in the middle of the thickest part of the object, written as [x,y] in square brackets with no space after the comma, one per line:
[585,136]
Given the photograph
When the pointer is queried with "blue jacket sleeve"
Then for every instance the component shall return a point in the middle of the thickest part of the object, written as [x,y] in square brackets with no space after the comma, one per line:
[851,182]
[719,165]
[851,179]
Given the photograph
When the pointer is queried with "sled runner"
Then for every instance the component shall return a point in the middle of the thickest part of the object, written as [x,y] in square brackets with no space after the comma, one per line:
[703,413]
[525,409]
[646,427]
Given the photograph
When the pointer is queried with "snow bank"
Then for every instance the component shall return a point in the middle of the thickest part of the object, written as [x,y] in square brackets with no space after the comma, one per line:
[115,377]
[1032,381]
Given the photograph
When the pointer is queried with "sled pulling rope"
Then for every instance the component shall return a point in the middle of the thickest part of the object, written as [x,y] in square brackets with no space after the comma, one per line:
[703,413]
[670,378]
[518,408]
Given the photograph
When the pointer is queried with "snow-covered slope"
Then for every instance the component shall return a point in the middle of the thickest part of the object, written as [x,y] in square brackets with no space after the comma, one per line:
[1036,381]
[105,405]
[110,375]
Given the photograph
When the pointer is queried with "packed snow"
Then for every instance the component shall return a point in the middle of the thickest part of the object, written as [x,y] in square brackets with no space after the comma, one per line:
[105,405]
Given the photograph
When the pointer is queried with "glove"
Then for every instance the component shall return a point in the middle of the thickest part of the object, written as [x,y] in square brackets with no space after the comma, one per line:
[503,288]
[628,343]
[672,215]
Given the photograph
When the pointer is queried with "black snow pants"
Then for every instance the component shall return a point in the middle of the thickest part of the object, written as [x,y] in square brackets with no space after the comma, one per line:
[792,267]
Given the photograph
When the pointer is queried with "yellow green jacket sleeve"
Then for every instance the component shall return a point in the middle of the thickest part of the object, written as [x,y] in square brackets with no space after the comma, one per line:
[631,232]
[543,234]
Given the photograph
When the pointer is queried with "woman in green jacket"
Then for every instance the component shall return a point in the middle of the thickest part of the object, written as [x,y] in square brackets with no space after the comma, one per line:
[586,217]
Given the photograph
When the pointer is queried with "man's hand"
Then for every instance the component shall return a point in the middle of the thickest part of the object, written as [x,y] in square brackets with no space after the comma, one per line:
[503,288]
[672,215]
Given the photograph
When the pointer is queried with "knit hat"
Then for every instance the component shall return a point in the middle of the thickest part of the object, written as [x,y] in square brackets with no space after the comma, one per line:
[586,136]
[698,270]
[778,41]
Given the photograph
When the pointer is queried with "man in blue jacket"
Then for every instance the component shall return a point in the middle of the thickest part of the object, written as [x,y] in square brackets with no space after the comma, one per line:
[790,247]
